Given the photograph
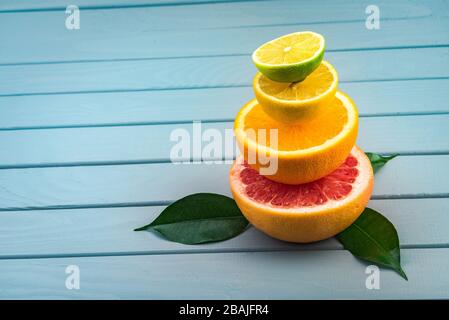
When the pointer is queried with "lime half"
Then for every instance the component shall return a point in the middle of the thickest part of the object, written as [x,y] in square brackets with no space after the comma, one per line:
[290,58]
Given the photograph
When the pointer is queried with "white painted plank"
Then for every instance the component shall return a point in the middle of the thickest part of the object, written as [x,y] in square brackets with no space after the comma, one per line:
[31,5]
[67,187]
[214,29]
[47,233]
[138,144]
[209,72]
[268,275]
[414,8]
[373,98]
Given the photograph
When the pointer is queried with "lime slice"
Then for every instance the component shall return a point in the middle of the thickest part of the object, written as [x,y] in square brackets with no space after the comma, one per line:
[290,58]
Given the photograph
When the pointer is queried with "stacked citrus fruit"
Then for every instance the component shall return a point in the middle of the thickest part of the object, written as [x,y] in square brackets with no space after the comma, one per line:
[322,181]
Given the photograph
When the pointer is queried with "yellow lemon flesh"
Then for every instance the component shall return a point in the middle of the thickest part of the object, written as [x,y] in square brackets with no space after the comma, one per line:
[290,102]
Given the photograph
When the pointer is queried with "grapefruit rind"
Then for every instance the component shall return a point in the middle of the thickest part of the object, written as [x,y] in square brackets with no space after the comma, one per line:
[308,223]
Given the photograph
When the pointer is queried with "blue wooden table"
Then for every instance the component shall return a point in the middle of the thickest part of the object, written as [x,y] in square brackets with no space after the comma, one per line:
[85,121]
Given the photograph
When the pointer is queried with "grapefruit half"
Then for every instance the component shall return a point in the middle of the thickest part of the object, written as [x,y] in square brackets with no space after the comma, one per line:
[306,212]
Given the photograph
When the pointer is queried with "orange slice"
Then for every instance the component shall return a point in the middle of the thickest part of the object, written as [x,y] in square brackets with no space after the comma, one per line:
[304,151]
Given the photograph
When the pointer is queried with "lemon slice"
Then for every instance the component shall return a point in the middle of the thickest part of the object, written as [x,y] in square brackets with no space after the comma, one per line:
[290,58]
[289,102]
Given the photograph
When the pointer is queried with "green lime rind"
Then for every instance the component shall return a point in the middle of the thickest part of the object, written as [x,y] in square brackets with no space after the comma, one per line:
[294,72]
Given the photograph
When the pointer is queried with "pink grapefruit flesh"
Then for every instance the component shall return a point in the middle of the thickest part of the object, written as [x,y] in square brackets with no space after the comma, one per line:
[305,212]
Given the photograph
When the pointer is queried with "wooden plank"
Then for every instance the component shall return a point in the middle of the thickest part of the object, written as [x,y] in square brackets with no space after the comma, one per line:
[209,72]
[125,34]
[349,10]
[124,185]
[100,231]
[151,107]
[143,144]
[31,5]
[257,275]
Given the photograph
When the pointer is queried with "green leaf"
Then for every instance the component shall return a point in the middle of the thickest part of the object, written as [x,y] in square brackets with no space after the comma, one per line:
[378,161]
[199,218]
[373,237]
